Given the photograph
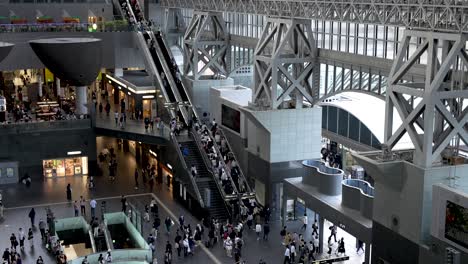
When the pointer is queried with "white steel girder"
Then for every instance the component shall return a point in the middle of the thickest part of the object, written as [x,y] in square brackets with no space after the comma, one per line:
[440,15]
[436,115]
[284,60]
[206,40]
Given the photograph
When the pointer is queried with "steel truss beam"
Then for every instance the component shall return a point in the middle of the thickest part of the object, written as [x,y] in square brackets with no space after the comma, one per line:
[438,116]
[284,60]
[439,15]
[206,40]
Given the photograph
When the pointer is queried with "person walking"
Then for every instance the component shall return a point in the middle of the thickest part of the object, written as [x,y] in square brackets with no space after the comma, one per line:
[360,246]
[168,223]
[13,242]
[32,216]
[177,240]
[30,237]
[304,222]
[266,231]
[228,246]
[287,255]
[21,237]
[83,206]
[316,244]
[333,231]
[6,256]
[92,205]
[40,260]
[123,201]
[42,229]
[76,209]
[258,230]
[108,108]
[69,193]
[315,228]
[341,247]
[292,249]
[283,234]
[116,117]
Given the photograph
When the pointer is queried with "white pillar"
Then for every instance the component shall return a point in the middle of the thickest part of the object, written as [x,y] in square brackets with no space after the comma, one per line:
[321,232]
[81,100]
[59,89]
[39,86]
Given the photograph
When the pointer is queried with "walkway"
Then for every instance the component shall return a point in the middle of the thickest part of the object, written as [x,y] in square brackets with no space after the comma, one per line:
[53,191]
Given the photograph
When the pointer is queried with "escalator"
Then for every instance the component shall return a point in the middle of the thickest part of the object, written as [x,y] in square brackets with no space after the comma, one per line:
[159,60]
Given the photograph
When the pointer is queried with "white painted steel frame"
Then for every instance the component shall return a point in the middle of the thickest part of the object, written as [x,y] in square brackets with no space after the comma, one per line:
[437,15]
[206,40]
[434,106]
[284,60]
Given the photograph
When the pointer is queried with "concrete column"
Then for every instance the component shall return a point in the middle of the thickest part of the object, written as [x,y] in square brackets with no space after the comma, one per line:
[367,253]
[59,89]
[39,86]
[321,230]
[118,72]
[81,100]
[283,210]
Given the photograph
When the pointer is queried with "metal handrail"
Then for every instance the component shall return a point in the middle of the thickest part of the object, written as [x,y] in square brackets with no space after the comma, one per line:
[169,76]
[169,52]
[208,166]
[194,183]
[218,151]
[91,238]
[237,160]
[107,236]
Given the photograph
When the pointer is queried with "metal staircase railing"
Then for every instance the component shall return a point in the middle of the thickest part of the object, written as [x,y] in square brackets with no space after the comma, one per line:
[206,160]
[241,173]
[184,165]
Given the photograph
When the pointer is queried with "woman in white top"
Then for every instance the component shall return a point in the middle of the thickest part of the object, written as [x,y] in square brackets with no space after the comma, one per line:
[228,246]
[258,230]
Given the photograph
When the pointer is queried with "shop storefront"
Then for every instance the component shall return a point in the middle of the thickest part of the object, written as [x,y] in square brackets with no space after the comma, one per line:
[61,167]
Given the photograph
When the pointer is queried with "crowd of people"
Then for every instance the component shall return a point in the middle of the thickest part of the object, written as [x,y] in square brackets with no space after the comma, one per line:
[222,160]
[13,254]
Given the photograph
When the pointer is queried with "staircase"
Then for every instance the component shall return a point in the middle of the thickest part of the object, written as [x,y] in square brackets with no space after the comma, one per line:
[204,180]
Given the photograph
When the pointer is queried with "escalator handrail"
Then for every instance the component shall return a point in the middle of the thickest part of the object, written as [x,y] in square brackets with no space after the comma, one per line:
[153,68]
[241,173]
[91,238]
[169,76]
[107,236]
[171,56]
[207,162]
[184,165]
[131,12]
[208,166]
[221,159]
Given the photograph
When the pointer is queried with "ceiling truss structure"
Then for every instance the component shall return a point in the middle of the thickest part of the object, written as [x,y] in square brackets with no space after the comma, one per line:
[206,43]
[437,117]
[437,15]
[284,61]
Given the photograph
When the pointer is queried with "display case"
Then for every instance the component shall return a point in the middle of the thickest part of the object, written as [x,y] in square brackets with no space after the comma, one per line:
[76,166]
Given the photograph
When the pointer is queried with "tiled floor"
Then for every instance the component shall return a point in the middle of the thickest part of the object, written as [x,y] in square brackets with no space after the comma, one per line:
[19,199]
